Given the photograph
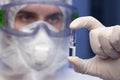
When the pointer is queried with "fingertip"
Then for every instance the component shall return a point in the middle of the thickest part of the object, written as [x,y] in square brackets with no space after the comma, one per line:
[74,24]
[88,22]
[77,64]
[72,58]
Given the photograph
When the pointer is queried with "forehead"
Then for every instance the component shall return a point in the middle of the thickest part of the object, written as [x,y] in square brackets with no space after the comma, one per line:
[45,9]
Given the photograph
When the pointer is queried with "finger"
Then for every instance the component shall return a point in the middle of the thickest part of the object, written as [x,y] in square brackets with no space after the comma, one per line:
[86,22]
[115,38]
[77,64]
[95,44]
[90,66]
[106,46]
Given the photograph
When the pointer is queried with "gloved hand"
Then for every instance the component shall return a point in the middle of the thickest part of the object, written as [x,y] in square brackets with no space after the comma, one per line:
[105,43]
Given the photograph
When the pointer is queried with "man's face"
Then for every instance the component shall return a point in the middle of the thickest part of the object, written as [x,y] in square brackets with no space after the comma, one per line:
[39,50]
[32,13]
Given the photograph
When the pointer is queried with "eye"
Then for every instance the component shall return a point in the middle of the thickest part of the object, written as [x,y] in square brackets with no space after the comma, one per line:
[54,18]
[26,17]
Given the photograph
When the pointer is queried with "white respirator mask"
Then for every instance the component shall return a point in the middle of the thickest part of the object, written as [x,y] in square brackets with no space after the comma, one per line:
[37,50]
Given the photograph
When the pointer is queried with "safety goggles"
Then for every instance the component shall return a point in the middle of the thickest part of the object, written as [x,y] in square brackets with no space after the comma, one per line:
[56,17]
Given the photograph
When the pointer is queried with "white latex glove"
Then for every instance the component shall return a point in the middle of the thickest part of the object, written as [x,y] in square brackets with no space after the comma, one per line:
[105,43]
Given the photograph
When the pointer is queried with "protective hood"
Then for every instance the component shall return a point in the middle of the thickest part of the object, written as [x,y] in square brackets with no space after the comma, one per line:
[15,48]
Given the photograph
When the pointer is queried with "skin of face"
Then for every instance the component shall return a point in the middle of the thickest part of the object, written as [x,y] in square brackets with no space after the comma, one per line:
[32,13]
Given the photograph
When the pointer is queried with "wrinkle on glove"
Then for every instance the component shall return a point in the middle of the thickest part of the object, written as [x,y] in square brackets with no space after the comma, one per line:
[106,63]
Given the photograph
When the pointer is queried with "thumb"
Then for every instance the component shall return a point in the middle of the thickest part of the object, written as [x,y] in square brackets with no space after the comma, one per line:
[85,66]
[86,22]
[77,64]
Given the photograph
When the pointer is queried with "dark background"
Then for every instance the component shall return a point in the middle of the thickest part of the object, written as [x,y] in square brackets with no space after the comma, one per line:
[106,11]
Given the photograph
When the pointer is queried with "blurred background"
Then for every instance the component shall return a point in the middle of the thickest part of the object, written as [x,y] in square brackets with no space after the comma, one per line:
[106,11]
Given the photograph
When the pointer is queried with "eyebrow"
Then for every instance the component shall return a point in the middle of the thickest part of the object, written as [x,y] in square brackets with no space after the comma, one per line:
[32,13]
[55,14]
[26,12]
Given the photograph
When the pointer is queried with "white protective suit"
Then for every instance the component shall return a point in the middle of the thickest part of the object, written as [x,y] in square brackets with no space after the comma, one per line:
[105,43]
[37,51]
